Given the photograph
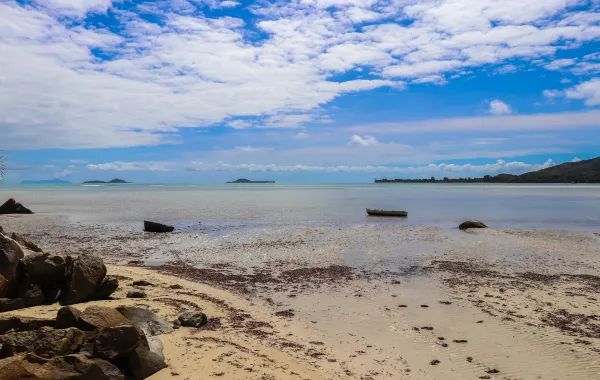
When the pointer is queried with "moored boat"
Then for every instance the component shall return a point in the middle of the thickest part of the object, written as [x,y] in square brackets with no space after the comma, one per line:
[376,212]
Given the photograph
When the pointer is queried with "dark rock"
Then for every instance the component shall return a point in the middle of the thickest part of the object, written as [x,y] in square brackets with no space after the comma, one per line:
[136,294]
[108,286]
[146,320]
[83,278]
[17,324]
[47,270]
[10,271]
[98,317]
[116,342]
[66,317]
[142,283]
[144,363]
[192,319]
[31,293]
[472,224]
[13,207]
[51,343]
[157,227]
[25,242]
[176,286]
[93,369]
[9,304]
[51,295]
[45,342]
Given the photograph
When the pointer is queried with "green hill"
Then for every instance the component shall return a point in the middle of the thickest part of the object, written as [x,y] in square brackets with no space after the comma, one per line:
[587,171]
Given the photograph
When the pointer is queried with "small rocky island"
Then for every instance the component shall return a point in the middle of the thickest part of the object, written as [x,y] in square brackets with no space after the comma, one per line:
[244,180]
[116,180]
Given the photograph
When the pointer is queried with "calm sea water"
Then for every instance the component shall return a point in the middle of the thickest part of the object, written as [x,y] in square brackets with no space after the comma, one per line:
[569,207]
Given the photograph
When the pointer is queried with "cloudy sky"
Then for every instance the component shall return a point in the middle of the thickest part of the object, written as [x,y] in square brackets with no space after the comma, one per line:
[296,91]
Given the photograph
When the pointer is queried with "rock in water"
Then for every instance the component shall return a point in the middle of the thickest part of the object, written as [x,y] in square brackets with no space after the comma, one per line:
[108,286]
[83,278]
[192,319]
[45,269]
[157,227]
[31,293]
[146,320]
[10,273]
[98,317]
[472,224]
[13,207]
[9,304]
[117,342]
[25,242]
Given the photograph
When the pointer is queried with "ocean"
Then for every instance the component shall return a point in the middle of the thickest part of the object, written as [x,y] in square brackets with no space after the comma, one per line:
[564,207]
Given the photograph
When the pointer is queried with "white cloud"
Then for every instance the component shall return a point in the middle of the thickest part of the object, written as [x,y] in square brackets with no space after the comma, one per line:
[565,81]
[301,136]
[576,159]
[560,64]
[588,91]
[363,141]
[58,89]
[551,94]
[250,149]
[239,124]
[452,170]
[498,107]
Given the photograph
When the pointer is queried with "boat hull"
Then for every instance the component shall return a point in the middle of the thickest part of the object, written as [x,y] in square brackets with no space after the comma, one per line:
[375,212]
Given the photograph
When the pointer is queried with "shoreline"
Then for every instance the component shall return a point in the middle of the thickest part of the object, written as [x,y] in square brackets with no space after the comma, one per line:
[335,303]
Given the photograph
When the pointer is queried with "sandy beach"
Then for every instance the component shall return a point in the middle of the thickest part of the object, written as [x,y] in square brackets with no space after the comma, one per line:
[368,302]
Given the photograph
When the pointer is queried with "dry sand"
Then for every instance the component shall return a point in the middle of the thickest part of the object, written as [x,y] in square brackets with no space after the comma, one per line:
[371,302]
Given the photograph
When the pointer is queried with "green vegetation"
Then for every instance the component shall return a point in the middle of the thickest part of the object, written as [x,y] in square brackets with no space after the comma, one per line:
[587,171]
[116,180]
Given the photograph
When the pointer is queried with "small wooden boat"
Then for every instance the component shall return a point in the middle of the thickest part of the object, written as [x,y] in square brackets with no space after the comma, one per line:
[375,212]
[157,227]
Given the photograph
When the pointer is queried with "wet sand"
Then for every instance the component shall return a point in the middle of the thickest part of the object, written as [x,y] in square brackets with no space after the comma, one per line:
[363,302]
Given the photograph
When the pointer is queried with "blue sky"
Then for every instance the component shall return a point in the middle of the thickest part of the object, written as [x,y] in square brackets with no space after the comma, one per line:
[296,91]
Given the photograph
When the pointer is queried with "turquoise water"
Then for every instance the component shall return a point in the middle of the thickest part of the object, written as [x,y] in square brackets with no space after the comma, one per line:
[569,207]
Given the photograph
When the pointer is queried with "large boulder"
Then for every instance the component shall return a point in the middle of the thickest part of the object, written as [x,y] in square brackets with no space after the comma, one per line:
[47,270]
[146,320]
[25,242]
[45,342]
[99,317]
[66,317]
[9,304]
[31,293]
[472,224]
[84,277]
[157,227]
[144,363]
[17,324]
[114,343]
[108,286]
[10,271]
[192,319]
[13,207]
[30,366]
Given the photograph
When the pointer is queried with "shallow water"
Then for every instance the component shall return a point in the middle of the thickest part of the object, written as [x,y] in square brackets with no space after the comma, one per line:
[218,207]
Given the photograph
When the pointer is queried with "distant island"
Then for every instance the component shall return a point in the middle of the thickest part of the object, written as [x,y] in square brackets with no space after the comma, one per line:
[116,180]
[244,180]
[587,171]
[54,181]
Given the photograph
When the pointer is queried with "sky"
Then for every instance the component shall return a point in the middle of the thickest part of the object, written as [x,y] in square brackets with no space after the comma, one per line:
[205,91]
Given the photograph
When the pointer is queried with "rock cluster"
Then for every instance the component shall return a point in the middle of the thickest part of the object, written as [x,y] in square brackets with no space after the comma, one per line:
[472,224]
[30,277]
[13,207]
[97,343]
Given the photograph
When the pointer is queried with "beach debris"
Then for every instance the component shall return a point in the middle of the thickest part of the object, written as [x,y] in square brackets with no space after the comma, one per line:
[460,341]
[445,302]
[472,224]
[157,227]
[10,275]
[434,362]
[13,207]
[285,313]
[84,276]
[142,283]
[28,244]
[470,359]
[175,286]
[136,294]
[194,318]
[424,305]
